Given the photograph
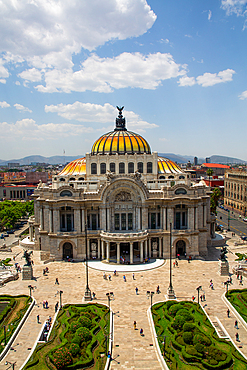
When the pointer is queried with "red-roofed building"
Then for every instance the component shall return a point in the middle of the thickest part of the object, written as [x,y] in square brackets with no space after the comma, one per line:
[218,169]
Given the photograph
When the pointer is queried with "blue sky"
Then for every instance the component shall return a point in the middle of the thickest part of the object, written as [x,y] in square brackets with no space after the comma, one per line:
[178,67]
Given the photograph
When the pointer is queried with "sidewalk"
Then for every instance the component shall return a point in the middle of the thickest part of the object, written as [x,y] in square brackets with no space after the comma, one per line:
[130,350]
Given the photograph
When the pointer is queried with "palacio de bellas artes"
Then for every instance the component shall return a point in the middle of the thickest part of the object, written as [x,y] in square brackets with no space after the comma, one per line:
[125,202]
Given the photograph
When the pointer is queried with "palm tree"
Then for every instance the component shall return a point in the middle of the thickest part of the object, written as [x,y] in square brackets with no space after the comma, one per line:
[210,172]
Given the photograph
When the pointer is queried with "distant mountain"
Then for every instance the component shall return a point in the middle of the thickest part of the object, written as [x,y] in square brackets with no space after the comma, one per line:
[225,160]
[214,159]
[59,159]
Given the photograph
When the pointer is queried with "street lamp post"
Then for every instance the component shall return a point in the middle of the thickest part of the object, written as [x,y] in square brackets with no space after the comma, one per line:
[30,290]
[60,297]
[87,294]
[150,294]
[198,292]
[110,297]
[170,292]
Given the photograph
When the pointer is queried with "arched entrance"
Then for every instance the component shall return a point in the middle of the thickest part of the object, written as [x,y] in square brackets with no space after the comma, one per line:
[67,251]
[180,247]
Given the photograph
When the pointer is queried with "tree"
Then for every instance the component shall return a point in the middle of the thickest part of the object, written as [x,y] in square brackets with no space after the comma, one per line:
[210,172]
[215,196]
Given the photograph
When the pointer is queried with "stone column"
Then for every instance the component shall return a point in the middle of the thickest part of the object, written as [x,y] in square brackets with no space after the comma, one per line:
[83,220]
[56,220]
[107,251]
[144,218]
[41,219]
[141,251]
[102,250]
[77,226]
[118,252]
[88,248]
[138,218]
[190,218]
[131,252]
[160,247]
[150,248]
[50,220]
[31,232]
[170,217]
[164,218]
[108,219]
[196,217]
[146,248]
[99,249]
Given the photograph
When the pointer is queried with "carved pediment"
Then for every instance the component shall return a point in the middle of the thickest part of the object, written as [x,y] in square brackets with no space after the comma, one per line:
[124,196]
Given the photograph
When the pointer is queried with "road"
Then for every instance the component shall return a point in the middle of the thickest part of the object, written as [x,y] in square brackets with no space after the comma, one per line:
[237,224]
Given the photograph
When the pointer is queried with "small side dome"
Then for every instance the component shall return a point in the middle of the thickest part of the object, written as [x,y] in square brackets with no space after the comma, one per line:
[76,167]
[167,166]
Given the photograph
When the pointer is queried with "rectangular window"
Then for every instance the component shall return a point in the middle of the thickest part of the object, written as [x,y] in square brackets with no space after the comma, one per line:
[153,220]
[88,222]
[116,221]
[11,196]
[130,221]
[177,220]
[63,222]
[183,219]
[69,222]
[158,220]
[123,221]
[94,222]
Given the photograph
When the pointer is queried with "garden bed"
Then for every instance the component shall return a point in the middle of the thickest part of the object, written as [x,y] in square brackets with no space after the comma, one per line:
[190,340]
[12,310]
[238,298]
[77,341]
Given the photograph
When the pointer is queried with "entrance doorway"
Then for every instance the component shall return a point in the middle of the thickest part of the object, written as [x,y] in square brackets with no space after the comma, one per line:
[180,247]
[125,251]
[67,251]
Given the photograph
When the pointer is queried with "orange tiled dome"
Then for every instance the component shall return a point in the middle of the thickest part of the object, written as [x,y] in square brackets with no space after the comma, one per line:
[76,167]
[167,166]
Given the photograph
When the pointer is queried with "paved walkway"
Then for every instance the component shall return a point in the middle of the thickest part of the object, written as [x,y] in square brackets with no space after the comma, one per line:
[130,350]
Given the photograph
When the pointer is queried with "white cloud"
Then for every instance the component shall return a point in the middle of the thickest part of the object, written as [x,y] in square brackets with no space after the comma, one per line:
[243,96]
[3,71]
[21,108]
[27,129]
[162,139]
[31,75]
[209,15]
[187,81]
[207,79]
[4,104]
[234,6]
[2,81]
[49,31]
[211,79]
[105,74]
[87,112]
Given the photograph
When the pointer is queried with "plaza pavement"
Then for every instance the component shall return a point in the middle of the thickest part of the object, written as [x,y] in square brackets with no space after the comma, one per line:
[130,350]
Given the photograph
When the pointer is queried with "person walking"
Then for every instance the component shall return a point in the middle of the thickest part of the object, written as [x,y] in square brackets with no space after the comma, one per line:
[134,325]
[133,276]
[38,319]
[56,281]
[158,289]
[236,324]
[56,307]
[141,332]
[124,278]
[228,313]
[136,290]
[176,262]
[109,277]
[237,337]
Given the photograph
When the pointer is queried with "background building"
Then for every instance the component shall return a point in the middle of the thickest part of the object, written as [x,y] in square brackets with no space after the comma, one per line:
[235,195]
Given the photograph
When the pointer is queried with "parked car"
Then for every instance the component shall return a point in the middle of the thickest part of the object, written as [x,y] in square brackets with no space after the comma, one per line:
[245,219]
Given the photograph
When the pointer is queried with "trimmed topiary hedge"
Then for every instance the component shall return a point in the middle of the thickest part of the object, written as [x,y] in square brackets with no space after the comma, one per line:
[193,342]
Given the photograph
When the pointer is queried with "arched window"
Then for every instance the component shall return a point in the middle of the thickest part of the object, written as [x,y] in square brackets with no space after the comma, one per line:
[149,167]
[140,167]
[171,177]
[180,191]
[181,177]
[62,179]
[121,167]
[102,168]
[65,193]
[112,167]
[72,179]
[66,219]
[93,168]
[131,167]
[162,177]
[81,179]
